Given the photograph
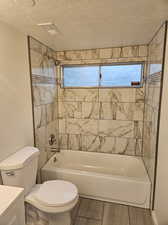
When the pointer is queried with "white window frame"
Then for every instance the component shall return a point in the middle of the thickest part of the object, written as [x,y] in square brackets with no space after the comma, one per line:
[142,63]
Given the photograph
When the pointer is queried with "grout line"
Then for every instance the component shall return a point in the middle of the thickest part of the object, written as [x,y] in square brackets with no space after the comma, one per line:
[129,215]
[103,214]
[76,216]
[88,218]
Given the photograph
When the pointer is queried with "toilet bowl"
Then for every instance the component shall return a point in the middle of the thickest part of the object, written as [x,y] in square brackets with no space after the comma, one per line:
[56,197]
[53,196]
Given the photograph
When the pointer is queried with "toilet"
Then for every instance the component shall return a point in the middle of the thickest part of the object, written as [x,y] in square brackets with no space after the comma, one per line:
[56,197]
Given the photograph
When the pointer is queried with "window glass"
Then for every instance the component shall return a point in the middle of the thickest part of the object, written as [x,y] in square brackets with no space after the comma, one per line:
[120,75]
[123,75]
[81,76]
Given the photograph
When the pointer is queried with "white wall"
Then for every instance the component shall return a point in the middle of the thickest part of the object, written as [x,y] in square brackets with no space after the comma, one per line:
[16,127]
[161,195]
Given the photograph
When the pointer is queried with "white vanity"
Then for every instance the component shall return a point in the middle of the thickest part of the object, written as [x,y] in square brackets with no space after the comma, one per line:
[11,206]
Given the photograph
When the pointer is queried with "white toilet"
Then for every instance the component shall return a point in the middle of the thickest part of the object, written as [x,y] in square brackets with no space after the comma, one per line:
[57,196]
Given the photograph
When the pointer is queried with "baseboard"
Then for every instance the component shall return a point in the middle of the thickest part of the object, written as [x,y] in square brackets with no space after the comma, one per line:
[154,218]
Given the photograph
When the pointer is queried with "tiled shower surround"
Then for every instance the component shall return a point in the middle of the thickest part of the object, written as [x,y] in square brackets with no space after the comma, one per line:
[45,104]
[152,100]
[108,120]
[101,119]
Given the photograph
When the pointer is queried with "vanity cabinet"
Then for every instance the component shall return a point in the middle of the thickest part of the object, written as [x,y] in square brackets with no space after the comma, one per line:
[11,206]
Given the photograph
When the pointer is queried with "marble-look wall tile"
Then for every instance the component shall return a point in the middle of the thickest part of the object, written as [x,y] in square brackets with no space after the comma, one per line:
[119,145]
[143,50]
[63,141]
[82,95]
[62,126]
[45,98]
[82,126]
[130,51]
[52,128]
[90,110]
[101,119]
[40,134]
[138,129]
[115,128]
[140,95]
[125,146]
[106,53]
[130,111]
[117,94]
[107,144]
[49,112]
[152,98]
[75,142]
[40,116]
[90,143]
[116,52]
[108,110]
[70,110]
[43,157]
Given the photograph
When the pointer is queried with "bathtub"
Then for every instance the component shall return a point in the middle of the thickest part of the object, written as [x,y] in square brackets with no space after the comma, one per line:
[107,177]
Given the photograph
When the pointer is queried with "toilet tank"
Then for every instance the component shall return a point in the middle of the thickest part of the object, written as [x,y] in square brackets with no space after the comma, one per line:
[20,169]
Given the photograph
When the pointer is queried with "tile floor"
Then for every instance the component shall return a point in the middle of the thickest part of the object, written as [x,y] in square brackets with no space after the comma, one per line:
[93,212]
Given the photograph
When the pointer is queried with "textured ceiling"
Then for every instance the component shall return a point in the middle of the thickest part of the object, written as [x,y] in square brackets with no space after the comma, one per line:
[87,24]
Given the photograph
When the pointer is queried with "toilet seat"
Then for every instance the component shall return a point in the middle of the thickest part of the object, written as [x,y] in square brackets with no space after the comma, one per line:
[56,193]
[53,196]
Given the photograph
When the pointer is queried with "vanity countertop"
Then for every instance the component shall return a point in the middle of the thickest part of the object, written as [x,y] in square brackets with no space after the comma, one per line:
[7,196]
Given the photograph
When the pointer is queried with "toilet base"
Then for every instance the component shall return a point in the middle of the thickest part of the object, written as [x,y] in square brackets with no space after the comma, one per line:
[35,216]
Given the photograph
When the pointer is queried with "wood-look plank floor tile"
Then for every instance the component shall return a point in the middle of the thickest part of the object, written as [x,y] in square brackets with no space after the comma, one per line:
[115,214]
[92,209]
[86,221]
[74,211]
[139,216]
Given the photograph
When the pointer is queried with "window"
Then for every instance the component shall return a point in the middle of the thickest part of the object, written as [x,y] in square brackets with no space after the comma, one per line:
[117,75]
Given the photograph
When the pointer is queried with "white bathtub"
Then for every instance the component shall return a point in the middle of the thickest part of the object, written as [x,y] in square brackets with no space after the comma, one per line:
[107,177]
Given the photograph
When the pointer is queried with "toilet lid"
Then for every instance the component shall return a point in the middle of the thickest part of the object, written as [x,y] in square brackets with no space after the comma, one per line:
[56,193]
